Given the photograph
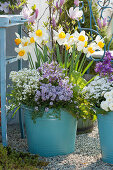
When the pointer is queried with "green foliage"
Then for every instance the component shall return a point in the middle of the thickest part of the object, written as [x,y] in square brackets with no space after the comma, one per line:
[11,159]
[68,61]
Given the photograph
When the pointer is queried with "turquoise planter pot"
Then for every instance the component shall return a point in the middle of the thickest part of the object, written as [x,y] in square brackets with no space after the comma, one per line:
[50,136]
[105,126]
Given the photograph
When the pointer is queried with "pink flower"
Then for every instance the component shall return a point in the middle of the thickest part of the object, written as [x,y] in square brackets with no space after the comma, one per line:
[104,22]
[36,13]
[57,4]
[61,2]
[60,11]
[53,22]
[75,13]
[76,2]
[31,19]
[26,12]
[99,23]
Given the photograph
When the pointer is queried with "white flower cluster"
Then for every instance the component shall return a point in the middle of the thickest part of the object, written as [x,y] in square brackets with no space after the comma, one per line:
[25,82]
[97,88]
[80,40]
[108,103]
[41,36]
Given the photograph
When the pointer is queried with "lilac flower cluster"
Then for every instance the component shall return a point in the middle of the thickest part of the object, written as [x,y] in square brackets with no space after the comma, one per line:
[48,92]
[100,24]
[54,86]
[51,73]
[105,68]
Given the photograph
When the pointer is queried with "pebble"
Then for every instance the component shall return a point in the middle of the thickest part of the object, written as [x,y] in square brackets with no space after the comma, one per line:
[87,155]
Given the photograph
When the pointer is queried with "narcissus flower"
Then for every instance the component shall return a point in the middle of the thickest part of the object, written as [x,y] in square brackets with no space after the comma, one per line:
[25,41]
[40,35]
[22,53]
[59,36]
[100,42]
[32,40]
[90,49]
[18,39]
[70,39]
[81,40]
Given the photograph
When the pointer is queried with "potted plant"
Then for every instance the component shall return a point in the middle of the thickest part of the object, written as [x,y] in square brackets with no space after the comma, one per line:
[50,107]
[100,93]
[64,78]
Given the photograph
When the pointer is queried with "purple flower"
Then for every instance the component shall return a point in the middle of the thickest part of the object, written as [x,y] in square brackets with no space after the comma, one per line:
[99,23]
[53,22]
[4,7]
[46,109]
[57,4]
[51,103]
[104,68]
[60,11]
[18,2]
[104,22]
[54,86]
[61,2]
[26,12]
[52,72]
[61,97]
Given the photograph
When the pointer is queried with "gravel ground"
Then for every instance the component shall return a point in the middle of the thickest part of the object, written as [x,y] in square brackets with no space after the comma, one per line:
[87,155]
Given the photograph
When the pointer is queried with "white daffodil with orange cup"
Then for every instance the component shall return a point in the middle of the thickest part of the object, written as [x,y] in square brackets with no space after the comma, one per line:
[22,52]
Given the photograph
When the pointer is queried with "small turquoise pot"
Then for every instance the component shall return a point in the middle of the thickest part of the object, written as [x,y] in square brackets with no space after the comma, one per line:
[105,126]
[51,136]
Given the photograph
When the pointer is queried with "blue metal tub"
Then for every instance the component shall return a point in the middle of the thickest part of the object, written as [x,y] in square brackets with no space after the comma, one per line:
[51,136]
[105,126]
